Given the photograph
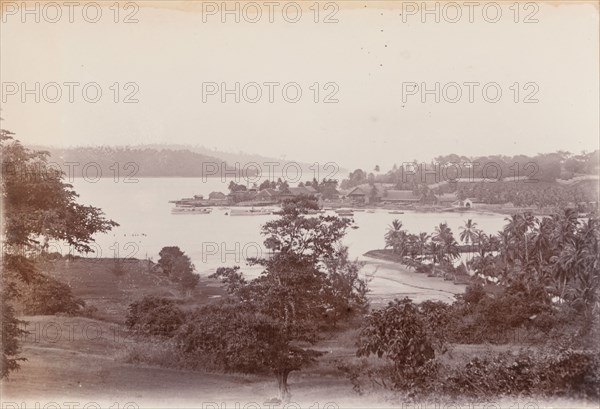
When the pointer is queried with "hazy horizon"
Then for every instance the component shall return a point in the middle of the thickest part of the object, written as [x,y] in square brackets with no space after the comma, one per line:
[368,54]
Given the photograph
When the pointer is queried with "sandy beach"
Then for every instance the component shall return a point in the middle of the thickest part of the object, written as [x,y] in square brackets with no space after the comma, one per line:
[389,280]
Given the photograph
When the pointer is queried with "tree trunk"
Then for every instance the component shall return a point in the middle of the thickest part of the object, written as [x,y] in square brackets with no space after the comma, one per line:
[282,382]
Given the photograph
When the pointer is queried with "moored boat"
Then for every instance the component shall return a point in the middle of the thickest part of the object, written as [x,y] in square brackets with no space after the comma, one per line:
[250,212]
[191,210]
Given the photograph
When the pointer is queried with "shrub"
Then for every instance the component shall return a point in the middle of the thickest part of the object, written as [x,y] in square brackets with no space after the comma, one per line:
[399,333]
[575,373]
[570,373]
[152,352]
[45,295]
[154,316]
[473,294]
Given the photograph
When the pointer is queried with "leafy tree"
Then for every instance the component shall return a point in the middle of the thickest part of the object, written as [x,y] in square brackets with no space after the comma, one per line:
[345,292]
[37,206]
[178,266]
[284,187]
[355,178]
[373,194]
[328,188]
[234,187]
[264,185]
[303,280]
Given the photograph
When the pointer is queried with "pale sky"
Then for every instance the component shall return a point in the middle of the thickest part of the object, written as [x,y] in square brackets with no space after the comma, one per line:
[369,53]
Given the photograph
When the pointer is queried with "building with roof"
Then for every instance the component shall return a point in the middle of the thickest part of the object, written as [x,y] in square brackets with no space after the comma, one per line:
[400,197]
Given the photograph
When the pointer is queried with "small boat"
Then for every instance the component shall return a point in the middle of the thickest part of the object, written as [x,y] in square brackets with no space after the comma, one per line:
[344,212]
[396,212]
[250,212]
[358,210]
[370,211]
[190,210]
[354,227]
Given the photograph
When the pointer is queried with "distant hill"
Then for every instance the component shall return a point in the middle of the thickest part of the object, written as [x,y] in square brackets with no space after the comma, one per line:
[246,159]
[140,162]
[161,160]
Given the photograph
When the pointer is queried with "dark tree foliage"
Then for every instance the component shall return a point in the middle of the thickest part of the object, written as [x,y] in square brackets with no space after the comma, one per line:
[238,337]
[178,266]
[37,206]
[45,295]
[154,316]
[307,284]
[398,333]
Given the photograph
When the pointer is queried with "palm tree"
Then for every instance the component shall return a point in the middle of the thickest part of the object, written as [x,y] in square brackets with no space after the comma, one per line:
[541,240]
[445,238]
[482,240]
[517,230]
[422,240]
[394,235]
[468,233]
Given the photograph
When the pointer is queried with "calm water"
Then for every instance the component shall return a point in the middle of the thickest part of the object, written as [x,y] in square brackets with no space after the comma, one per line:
[213,240]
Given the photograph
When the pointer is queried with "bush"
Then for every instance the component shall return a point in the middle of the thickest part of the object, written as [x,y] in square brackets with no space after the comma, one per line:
[570,373]
[481,317]
[152,352]
[45,295]
[154,316]
[399,333]
[474,294]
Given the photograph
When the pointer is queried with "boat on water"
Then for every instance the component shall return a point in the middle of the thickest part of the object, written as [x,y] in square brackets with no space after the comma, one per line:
[370,211]
[250,212]
[197,201]
[396,212]
[345,212]
[190,210]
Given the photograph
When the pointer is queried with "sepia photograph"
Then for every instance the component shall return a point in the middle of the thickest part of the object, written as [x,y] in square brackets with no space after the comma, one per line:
[308,204]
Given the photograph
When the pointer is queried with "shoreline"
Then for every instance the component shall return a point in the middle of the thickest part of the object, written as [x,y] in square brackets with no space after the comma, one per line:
[389,280]
[507,211]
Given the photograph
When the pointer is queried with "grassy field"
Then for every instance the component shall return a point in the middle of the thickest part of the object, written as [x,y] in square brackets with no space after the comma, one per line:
[111,286]
[84,360]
